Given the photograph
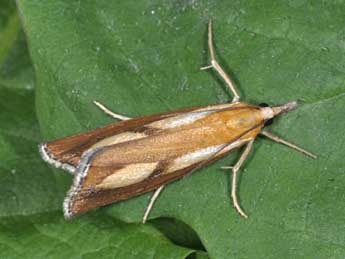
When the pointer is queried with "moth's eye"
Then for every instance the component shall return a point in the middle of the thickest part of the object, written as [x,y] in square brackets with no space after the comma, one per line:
[270,121]
[263,105]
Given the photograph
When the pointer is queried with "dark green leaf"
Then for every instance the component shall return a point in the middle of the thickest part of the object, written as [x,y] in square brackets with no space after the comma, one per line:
[50,236]
[178,232]
[19,131]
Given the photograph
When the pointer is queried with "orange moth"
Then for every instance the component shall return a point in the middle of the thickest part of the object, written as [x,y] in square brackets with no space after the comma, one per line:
[135,156]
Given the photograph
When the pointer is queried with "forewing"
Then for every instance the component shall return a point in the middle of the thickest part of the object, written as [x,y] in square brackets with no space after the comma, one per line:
[66,152]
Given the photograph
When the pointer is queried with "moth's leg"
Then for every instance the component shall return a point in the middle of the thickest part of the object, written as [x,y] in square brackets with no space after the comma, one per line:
[217,67]
[109,112]
[235,169]
[282,141]
[152,201]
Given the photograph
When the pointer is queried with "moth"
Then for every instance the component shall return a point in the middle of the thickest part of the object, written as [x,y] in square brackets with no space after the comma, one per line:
[135,156]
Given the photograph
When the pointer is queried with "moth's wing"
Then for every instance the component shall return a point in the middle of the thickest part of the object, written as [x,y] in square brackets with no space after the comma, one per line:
[96,186]
[66,152]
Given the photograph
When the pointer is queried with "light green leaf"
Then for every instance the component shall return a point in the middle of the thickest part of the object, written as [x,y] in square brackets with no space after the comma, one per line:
[143,57]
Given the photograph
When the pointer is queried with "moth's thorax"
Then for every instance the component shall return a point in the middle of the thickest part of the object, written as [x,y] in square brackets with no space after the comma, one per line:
[243,119]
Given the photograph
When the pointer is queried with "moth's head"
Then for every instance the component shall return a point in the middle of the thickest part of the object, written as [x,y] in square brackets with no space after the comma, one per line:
[270,112]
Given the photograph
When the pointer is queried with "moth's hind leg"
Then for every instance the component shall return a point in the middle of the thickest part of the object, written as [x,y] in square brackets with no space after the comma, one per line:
[109,112]
[217,67]
[152,201]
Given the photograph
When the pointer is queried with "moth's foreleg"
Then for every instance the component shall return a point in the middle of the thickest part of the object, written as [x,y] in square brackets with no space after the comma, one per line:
[290,145]
[152,201]
[217,67]
[109,112]
[235,169]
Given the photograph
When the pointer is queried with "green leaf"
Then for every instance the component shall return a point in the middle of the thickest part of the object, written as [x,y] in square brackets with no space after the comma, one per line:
[50,236]
[143,57]
[31,221]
